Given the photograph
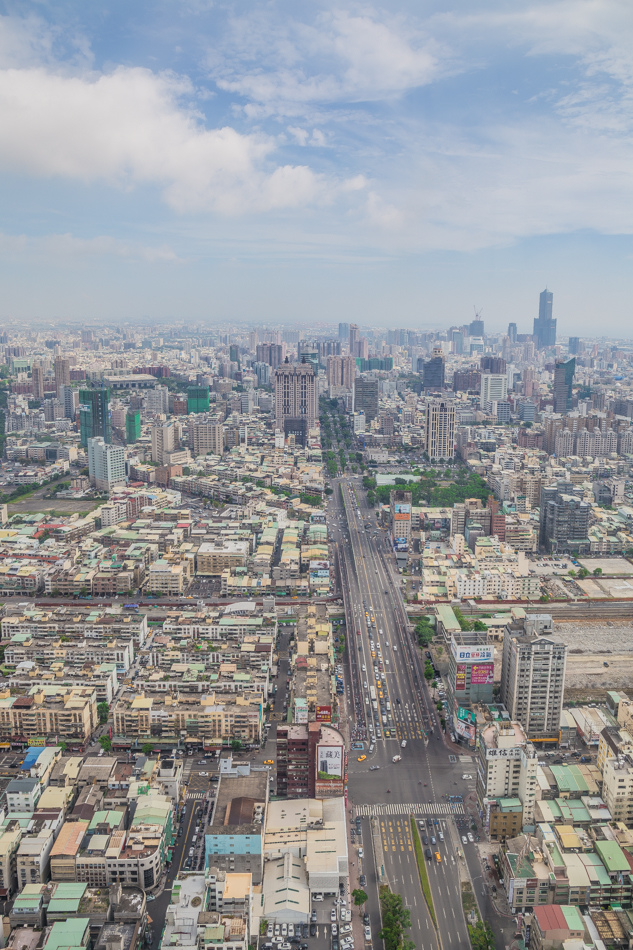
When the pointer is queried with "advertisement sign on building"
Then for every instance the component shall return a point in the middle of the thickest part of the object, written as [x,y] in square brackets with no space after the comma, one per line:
[472,654]
[324,714]
[465,715]
[330,762]
[482,674]
[399,516]
[465,730]
[460,676]
[402,509]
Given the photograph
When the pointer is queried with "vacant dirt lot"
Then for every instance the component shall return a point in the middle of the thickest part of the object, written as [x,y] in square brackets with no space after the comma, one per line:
[590,646]
[609,565]
[66,506]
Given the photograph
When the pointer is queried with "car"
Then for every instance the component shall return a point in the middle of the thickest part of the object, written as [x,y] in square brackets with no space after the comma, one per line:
[291,930]
[304,930]
[373,768]
[361,853]
[361,758]
[269,762]
[367,934]
[335,943]
[433,839]
[191,852]
[317,897]
[334,930]
[440,835]
[270,931]
[333,914]
[284,930]
[313,930]
[438,857]
[313,917]
[464,839]
[425,840]
[285,946]
[363,880]
[347,944]
[470,837]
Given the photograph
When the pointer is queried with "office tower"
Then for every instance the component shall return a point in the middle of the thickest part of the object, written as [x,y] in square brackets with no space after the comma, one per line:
[563,379]
[503,411]
[544,325]
[343,332]
[574,346]
[512,332]
[354,335]
[493,388]
[106,464]
[197,399]
[163,441]
[564,519]
[132,426]
[468,380]
[206,438]
[296,399]
[533,677]
[439,435]
[37,380]
[340,371]
[62,373]
[457,342]
[366,397]
[70,399]
[262,371]
[476,328]
[493,364]
[234,353]
[94,415]
[527,411]
[433,371]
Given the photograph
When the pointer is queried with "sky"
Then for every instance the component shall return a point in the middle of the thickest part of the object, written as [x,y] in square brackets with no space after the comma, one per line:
[395,165]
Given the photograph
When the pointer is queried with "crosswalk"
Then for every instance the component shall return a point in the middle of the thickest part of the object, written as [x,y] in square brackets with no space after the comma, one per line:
[195,796]
[417,808]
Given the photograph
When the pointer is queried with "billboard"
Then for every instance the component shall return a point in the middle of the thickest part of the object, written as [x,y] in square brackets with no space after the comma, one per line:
[330,762]
[470,654]
[400,516]
[482,674]
[460,676]
[324,714]
[464,730]
[465,715]
[402,509]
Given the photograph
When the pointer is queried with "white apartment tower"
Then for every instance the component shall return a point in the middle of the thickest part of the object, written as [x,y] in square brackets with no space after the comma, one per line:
[439,440]
[106,464]
[493,388]
[533,678]
[163,441]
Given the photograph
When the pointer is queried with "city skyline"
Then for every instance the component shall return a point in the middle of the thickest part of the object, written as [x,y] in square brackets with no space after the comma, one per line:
[383,165]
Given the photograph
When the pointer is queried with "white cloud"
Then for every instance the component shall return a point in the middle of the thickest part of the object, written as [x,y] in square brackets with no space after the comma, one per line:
[66,246]
[129,128]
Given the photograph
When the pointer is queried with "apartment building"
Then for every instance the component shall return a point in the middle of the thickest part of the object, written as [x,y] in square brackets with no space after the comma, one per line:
[70,713]
[507,764]
[209,720]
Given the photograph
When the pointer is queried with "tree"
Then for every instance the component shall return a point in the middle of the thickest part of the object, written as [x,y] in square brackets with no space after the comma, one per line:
[63,745]
[597,572]
[360,897]
[104,711]
[147,748]
[106,743]
[395,920]
[481,936]
[236,745]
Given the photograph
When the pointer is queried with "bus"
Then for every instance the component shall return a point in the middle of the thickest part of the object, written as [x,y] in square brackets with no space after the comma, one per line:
[372,692]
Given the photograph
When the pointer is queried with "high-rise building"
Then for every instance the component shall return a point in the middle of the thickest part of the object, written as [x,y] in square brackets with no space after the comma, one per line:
[507,765]
[296,399]
[272,353]
[106,465]
[493,388]
[476,328]
[132,425]
[492,364]
[439,433]
[533,677]
[400,504]
[262,371]
[366,397]
[545,325]
[354,336]
[433,371]
[206,438]
[62,373]
[564,519]
[512,332]
[70,399]
[163,441]
[563,380]
[94,414]
[341,371]
[343,332]
[466,380]
[574,346]
[197,399]
[37,380]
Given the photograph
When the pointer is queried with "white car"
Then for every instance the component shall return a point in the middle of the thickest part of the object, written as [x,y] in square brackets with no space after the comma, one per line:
[347,944]
[346,929]
[464,839]
[470,837]
[291,930]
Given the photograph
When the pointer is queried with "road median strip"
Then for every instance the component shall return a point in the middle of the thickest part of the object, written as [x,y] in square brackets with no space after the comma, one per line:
[424,878]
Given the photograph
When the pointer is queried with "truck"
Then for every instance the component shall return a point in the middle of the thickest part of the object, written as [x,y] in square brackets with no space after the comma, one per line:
[396,758]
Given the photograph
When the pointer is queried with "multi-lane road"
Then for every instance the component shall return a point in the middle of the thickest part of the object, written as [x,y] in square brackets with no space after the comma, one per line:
[384,661]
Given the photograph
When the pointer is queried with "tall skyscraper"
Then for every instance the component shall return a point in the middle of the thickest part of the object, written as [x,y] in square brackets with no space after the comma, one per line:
[354,336]
[512,332]
[106,464]
[493,388]
[94,415]
[574,345]
[433,371]
[564,520]
[366,397]
[341,371]
[544,325]
[62,373]
[533,678]
[476,328]
[37,379]
[70,398]
[343,332]
[563,379]
[296,399]
[439,437]
[163,441]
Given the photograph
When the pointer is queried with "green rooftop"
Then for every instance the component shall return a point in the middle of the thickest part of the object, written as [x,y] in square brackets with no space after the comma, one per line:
[612,857]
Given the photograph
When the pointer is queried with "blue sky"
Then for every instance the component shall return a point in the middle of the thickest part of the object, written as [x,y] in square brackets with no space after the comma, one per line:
[302,162]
